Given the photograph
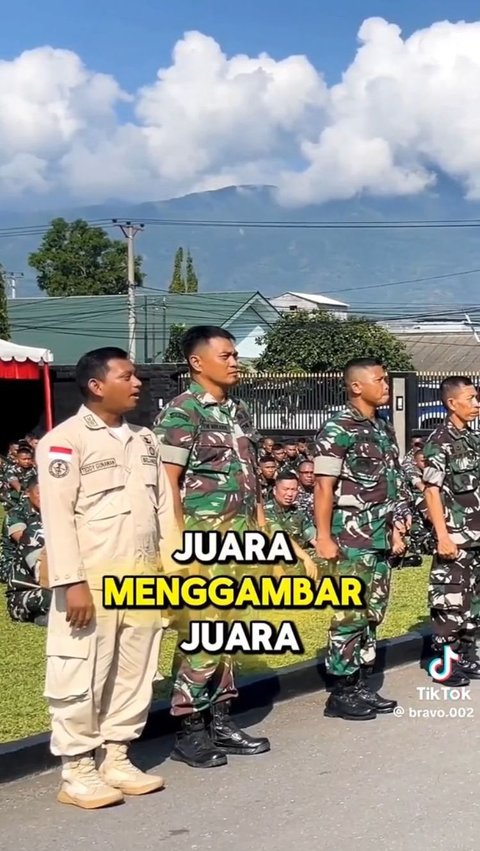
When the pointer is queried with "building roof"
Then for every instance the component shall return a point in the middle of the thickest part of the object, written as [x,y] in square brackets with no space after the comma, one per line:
[71,326]
[318,299]
[443,352]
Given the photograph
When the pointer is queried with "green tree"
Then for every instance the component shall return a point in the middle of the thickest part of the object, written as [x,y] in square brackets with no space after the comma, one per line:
[173,353]
[191,278]
[317,342]
[75,258]
[4,323]
[177,284]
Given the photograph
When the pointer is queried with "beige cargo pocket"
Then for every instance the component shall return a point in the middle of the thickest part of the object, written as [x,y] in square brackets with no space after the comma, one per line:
[70,662]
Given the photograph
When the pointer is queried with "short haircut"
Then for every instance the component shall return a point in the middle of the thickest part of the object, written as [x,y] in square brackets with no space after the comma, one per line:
[452,383]
[358,363]
[306,461]
[199,335]
[287,476]
[291,441]
[25,450]
[268,459]
[32,483]
[94,364]
[277,447]
[418,451]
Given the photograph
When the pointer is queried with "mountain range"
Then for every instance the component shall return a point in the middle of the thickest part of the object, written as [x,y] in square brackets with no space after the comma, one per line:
[352,263]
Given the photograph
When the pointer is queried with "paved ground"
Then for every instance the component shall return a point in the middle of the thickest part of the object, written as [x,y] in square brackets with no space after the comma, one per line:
[394,784]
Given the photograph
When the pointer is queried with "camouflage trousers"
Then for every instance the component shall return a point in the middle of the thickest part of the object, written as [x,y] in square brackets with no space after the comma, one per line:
[454,599]
[352,635]
[25,606]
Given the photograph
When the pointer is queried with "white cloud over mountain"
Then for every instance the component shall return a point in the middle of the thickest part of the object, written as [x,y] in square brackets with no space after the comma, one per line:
[404,109]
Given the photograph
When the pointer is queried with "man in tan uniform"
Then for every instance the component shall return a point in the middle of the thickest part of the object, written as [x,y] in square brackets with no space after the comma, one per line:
[107,507]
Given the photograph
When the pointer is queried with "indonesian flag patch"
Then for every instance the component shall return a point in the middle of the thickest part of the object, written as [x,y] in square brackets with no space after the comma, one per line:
[60,453]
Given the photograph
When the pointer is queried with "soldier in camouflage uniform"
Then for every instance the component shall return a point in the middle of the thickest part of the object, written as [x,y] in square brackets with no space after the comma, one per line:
[27,600]
[452,495]
[267,475]
[306,479]
[358,482]
[14,524]
[283,515]
[209,447]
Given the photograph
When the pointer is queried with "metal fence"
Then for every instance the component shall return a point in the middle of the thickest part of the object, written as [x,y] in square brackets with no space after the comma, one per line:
[296,402]
[292,402]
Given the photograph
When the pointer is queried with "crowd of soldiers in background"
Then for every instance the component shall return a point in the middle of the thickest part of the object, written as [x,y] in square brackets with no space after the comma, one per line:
[286,477]
[286,474]
[22,563]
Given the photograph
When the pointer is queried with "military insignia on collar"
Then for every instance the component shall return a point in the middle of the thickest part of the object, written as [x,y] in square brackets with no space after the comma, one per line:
[90,421]
[146,439]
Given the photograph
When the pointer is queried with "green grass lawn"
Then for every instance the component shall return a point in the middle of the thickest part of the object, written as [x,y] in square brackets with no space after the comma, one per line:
[23,709]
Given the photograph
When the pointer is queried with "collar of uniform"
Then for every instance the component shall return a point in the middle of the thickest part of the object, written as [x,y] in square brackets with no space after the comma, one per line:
[357,415]
[90,419]
[203,397]
[457,433]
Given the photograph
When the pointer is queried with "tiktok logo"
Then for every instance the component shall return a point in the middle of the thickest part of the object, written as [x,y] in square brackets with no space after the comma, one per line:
[440,668]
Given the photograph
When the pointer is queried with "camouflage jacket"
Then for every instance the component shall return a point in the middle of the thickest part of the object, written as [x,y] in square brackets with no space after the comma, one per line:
[305,501]
[363,455]
[217,445]
[295,522]
[452,463]
[22,576]
[266,488]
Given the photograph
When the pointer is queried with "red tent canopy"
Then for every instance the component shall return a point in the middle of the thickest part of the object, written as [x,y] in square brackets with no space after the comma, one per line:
[27,363]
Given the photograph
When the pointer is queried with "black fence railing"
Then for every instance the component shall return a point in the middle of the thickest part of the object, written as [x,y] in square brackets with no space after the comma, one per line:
[293,403]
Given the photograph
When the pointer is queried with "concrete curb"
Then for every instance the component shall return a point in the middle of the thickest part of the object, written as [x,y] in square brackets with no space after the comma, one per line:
[32,755]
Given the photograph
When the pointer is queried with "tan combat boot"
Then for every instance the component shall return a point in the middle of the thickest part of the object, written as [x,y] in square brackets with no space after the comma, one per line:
[116,770]
[83,786]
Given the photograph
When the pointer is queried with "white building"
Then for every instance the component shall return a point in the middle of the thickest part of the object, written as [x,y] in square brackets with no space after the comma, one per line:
[291,301]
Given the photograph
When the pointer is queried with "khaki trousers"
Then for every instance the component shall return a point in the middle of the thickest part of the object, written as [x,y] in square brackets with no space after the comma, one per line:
[99,680]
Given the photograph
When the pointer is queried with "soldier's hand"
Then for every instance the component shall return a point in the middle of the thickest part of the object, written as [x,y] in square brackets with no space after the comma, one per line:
[80,608]
[447,549]
[326,549]
[310,568]
[398,544]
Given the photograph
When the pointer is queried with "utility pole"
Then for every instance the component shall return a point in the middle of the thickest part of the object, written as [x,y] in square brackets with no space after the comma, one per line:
[12,276]
[129,231]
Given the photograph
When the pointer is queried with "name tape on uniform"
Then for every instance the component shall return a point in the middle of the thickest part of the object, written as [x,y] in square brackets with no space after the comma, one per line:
[95,466]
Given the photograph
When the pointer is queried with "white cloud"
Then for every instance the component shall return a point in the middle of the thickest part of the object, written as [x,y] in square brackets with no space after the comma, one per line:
[404,109]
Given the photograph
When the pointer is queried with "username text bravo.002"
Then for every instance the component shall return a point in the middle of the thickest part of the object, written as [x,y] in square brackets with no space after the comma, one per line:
[226,593]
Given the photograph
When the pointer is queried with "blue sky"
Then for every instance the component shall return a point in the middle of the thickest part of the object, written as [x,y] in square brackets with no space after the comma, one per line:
[132,40]
[222,116]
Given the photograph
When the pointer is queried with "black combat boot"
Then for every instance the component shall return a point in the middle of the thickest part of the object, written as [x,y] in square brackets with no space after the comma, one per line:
[345,702]
[228,736]
[194,746]
[381,704]
[468,662]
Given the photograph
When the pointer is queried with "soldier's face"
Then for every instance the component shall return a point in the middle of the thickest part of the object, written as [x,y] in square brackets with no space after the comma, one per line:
[24,460]
[217,361]
[268,445]
[286,492]
[306,476]
[291,450]
[372,386]
[269,470]
[279,455]
[120,389]
[464,403]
